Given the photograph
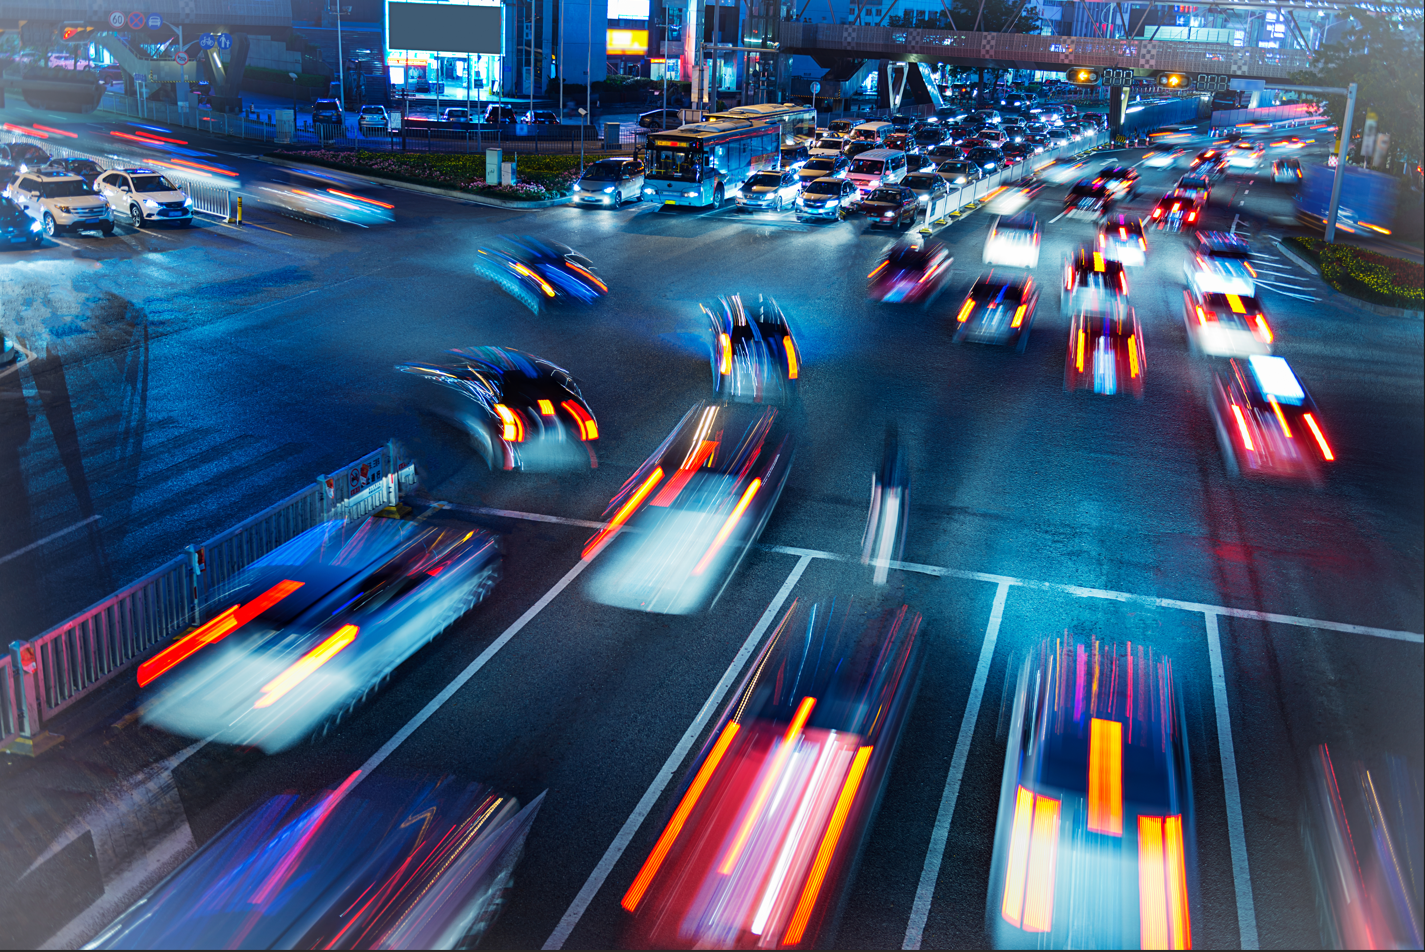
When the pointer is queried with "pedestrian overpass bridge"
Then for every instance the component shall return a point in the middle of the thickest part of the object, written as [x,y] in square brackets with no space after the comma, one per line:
[827,42]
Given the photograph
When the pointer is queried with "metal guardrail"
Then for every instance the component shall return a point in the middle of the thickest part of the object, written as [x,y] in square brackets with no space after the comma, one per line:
[43,676]
[1231,117]
[1028,50]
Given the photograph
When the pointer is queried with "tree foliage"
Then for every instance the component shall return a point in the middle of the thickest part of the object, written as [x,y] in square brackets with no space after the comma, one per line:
[1384,59]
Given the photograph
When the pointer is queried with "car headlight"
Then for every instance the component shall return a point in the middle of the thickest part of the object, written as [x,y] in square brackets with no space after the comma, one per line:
[922,199]
[646,191]
[609,190]
[690,194]
[188,200]
[150,203]
[35,226]
[834,203]
[578,187]
[63,208]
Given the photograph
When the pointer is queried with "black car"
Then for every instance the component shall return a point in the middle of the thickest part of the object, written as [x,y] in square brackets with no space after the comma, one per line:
[501,115]
[946,152]
[998,310]
[754,356]
[661,119]
[929,135]
[988,158]
[16,227]
[1088,199]
[327,111]
[959,173]
[1017,152]
[24,156]
[891,205]
[1120,179]
[521,412]
[86,169]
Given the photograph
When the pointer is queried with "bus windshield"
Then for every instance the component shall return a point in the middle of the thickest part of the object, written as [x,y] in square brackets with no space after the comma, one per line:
[678,164]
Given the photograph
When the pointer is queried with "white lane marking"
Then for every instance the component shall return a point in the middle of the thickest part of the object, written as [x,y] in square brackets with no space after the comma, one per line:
[1235,220]
[376,759]
[1057,217]
[49,538]
[1236,836]
[527,516]
[940,833]
[1077,590]
[611,856]
[1279,290]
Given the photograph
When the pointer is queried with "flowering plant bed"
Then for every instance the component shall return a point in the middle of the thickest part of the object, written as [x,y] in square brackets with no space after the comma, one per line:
[1378,278]
[543,177]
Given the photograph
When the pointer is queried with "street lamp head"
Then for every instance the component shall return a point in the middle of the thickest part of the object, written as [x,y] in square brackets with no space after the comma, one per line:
[294,76]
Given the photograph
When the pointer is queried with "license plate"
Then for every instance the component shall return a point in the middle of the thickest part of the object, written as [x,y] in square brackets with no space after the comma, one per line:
[171,212]
[669,201]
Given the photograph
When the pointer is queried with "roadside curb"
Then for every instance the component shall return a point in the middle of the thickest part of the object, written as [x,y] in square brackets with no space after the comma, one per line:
[473,198]
[1356,302]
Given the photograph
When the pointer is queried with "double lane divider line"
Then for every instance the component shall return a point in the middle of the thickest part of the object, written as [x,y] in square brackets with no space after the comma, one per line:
[940,833]
[1236,834]
[611,856]
[435,703]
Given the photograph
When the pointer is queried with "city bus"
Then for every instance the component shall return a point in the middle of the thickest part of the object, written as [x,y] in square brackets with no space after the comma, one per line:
[702,163]
[798,122]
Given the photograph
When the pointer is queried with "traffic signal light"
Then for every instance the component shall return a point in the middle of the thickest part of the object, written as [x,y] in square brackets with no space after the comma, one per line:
[1174,80]
[1082,76]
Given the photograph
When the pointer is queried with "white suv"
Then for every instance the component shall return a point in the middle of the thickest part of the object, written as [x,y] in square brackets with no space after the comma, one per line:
[145,196]
[60,201]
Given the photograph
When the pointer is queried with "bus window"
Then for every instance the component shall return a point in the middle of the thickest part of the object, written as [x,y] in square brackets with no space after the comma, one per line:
[678,164]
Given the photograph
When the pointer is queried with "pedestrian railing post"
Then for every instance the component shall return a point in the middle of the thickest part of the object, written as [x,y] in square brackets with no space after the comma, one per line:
[22,658]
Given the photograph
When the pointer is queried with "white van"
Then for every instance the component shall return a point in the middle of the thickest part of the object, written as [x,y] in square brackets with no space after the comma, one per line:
[872,131]
[871,170]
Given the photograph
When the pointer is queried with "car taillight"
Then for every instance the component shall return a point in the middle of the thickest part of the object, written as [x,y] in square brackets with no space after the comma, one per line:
[965,310]
[1192,216]
[1163,914]
[588,429]
[1019,315]
[1157,213]
[1242,428]
[1264,333]
[1320,437]
[513,426]
[1204,316]
[1029,874]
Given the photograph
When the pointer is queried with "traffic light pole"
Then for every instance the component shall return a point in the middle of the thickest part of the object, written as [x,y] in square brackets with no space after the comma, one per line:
[1117,103]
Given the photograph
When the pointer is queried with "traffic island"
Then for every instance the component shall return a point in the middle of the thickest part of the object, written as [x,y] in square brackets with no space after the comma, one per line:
[1391,284]
[546,179]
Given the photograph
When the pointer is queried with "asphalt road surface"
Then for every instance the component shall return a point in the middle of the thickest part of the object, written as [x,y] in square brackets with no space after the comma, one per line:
[183,380]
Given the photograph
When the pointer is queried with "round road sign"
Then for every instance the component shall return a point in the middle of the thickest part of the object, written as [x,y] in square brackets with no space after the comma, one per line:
[136,20]
[116,20]
[155,21]
[815,87]
[225,41]
[181,58]
[206,41]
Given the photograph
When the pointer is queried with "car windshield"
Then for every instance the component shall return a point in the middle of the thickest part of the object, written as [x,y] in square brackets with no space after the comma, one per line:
[603,171]
[1087,191]
[995,291]
[69,189]
[892,195]
[956,167]
[833,144]
[765,180]
[1018,226]
[372,110]
[22,152]
[920,180]
[1189,181]
[820,165]
[868,166]
[982,154]
[153,183]
[825,187]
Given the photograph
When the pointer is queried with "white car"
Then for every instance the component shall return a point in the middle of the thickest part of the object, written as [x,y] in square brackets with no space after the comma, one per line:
[1225,325]
[145,196]
[1162,157]
[1207,275]
[1244,155]
[60,201]
[1013,242]
[769,191]
[827,145]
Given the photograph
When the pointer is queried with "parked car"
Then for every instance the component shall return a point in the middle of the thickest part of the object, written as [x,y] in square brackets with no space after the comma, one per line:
[327,112]
[456,114]
[373,119]
[541,117]
[500,115]
[661,119]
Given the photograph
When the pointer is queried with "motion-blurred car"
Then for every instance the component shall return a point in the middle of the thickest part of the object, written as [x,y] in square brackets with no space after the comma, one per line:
[610,183]
[1225,325]
[1163,156]
[1122,180]
[87,169]
[999,309]
[762,846]
[693,509]
[1224,245]
[17,227]
[24,156]
[1286,171]
[769,191]
[1197,187]
[308,196]
[146,196]
[1206,273]
[385,864]
[753,354]
[1121,239]
[912,272]
[1174,212]
[959,173]
[534,270]
[827,198]
[1094,846]
[1358,826]
[1208,162]
[1010,199]
[1093,282]
[1244,155]
[1013,241]
[1088,199]
[818,166]
[1266,422]
[891,205]
[521,412]
[314,627]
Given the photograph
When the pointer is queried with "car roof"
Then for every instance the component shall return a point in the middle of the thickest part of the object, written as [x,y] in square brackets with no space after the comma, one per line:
[136,171]
[55,174]
[880,153]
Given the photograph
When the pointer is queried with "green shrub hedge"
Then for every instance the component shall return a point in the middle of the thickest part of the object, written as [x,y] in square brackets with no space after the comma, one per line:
[1378,278]
[541,177]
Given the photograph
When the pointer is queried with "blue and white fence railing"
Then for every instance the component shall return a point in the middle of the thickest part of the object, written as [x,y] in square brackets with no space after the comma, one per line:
[44,675]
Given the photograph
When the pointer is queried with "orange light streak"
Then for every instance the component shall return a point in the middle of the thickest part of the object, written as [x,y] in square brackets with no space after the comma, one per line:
[1320,438]
[213,631]
[1242,426]
[727,527]
[802,916]
[624,512]
[278,687]
[1106,777]
[360,198]
[792,364]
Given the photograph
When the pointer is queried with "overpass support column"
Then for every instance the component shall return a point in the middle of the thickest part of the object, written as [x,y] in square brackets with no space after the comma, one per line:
[1117,110]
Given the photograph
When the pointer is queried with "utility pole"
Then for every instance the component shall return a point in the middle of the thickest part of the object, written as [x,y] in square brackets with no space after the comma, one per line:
[562,68]
[1341,154]
[340,65]
[588,83]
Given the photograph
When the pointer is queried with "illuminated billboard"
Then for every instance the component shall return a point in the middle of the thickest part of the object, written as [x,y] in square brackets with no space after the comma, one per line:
[628,9]
[446,27]
[628,42]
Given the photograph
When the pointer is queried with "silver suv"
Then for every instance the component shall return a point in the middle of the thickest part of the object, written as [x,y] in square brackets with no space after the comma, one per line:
[61,201]
[146,196]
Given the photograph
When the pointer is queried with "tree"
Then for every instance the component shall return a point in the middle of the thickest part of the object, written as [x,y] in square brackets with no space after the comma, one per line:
[1384,59]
